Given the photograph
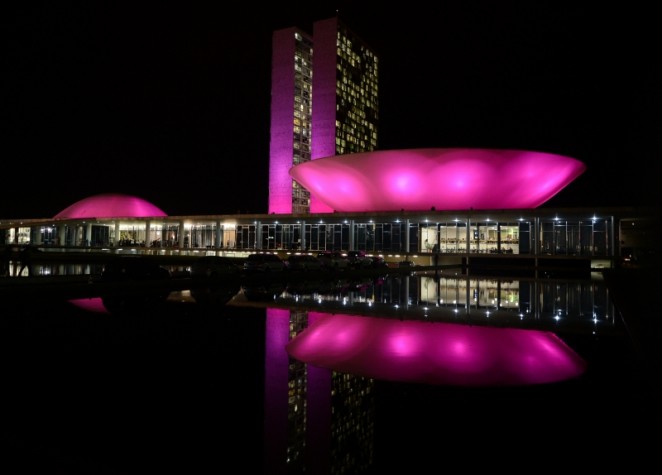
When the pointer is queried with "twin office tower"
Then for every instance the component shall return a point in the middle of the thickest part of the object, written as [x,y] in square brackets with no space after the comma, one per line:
[324,102]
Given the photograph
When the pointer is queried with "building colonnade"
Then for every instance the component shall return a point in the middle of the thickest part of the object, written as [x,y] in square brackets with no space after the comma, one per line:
[545,233]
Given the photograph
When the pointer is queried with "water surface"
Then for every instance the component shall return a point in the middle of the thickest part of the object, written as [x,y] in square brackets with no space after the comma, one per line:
[415,373]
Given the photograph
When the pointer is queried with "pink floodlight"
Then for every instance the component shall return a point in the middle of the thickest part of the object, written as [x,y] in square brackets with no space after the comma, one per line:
[111,205]
[435,353]
[443,179]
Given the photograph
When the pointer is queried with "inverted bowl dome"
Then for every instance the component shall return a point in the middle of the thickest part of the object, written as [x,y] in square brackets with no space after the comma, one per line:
[446,179]
[110,205]
[434,353]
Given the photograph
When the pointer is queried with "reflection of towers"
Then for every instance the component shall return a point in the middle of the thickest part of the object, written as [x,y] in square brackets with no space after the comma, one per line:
[280,396]
[316,421]
[352,423]
[323,103]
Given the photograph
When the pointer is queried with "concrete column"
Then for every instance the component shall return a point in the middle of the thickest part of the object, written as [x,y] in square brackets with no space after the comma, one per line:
[468,237]
[181,235]
[61,234]
[405,298]
[117,233]
[612,243]
[88,235]
[499,237]
[351,236]
[258,235]
[467,295]
[219,236]
[302,233]
[36,235]
[536,244]
[148,238]
[407,223]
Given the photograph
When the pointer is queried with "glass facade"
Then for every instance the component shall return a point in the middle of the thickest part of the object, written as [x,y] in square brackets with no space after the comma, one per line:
[291,116]
[302,113]
[544,234]
[326,82]
[357,95]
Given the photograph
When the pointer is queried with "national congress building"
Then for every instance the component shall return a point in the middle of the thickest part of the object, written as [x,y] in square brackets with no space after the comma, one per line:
[331,188]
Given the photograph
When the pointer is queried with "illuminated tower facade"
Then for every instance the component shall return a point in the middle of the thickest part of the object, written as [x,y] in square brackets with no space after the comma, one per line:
[324,102]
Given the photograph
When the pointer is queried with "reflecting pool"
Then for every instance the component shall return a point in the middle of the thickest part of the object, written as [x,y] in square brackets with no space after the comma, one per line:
[417,373]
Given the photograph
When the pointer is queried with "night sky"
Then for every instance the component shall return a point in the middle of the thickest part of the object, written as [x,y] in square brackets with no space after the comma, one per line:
[170,102]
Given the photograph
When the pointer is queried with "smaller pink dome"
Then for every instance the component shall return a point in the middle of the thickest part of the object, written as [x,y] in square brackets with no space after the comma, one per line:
[110,205]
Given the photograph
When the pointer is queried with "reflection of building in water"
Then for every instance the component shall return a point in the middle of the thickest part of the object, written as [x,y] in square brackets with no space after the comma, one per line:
[440,353]
[316,421]
[353,422]
[538,299]
[487,300]
[15,268]
[296,400]
[276,390]
[483,293]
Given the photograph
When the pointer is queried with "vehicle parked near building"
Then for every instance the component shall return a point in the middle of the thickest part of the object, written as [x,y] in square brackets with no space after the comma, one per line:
[264,263]
[213,266]
[378,262]
[304,262]
[359,260]
[133,268]
[333,260]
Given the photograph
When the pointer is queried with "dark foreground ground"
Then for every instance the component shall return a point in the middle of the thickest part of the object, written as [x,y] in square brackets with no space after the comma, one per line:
[635,292]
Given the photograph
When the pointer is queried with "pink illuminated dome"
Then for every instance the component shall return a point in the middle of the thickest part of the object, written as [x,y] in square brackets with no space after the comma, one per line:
[439,178]
[110,205]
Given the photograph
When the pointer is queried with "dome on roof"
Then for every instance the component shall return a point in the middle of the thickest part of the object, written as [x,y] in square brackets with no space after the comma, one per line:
[443,179]
[110,205]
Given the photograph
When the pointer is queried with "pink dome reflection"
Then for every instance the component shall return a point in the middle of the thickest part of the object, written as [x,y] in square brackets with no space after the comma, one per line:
[92,304]
[446,179]
[110,205]
[435,353]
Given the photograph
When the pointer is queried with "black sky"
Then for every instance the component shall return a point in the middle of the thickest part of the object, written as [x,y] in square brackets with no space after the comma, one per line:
[170,102]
